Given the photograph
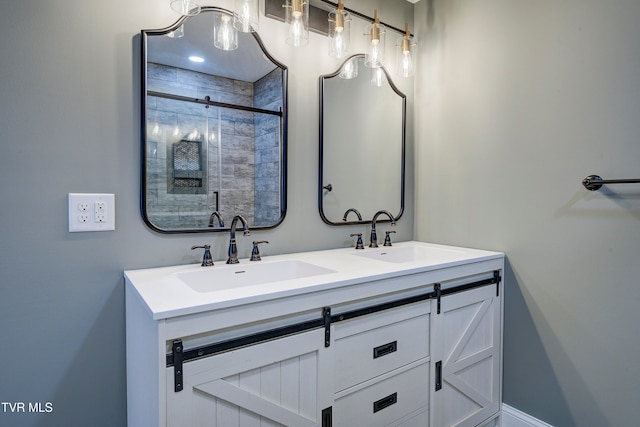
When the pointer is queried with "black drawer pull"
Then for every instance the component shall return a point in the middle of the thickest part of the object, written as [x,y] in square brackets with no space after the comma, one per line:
[385,402]
[438,375]
[385,349]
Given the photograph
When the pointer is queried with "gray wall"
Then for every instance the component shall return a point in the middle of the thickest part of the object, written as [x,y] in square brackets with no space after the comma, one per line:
[517,102]
[70,123]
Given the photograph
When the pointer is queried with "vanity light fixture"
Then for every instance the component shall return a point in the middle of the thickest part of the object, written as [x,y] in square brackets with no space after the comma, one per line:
[304,17]
[185,7]
[339,31]
[405,67]
[374,56]
[225,36]
[297,16]
[245,15]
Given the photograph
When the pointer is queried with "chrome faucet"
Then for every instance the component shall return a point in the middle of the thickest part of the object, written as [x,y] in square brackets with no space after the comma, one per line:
[233,249]
[217,215]
[374,236]
[354,210]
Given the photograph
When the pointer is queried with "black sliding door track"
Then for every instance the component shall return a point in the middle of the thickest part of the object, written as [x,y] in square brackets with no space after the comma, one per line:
[321,322]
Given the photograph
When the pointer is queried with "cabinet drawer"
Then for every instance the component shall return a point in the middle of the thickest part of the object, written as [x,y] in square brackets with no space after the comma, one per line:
[385,401]
[379,343]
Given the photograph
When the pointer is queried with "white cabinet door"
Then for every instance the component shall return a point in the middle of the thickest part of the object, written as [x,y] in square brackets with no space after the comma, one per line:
[283,382]
[466,349]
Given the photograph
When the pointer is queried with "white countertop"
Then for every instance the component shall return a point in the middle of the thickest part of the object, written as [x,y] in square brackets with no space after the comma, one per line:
[166,295]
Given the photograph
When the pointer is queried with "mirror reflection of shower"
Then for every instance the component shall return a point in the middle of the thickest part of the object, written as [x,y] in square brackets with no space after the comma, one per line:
[215,136]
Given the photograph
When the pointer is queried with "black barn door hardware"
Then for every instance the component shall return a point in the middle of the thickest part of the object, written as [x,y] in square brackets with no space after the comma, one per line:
[179,355]
[326,318]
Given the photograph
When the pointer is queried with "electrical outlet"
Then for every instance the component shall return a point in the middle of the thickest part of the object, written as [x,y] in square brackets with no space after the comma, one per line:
[83,218]
[100,211]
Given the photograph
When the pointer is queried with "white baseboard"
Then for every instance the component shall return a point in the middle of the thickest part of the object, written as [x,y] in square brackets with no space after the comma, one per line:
[511,417]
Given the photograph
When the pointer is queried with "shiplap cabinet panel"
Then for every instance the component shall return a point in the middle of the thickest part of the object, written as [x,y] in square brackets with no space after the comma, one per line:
[277,383]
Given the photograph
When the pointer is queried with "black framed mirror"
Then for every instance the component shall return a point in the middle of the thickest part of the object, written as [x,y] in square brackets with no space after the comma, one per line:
[362,144]
[214,132]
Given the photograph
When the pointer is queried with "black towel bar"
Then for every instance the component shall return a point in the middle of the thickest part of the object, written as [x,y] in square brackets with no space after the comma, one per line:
[594,182]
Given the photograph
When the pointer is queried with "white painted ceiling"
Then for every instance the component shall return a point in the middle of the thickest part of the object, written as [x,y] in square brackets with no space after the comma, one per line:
[247,63]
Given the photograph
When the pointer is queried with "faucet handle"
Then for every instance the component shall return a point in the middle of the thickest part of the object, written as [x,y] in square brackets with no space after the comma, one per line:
[359,244]
[387,239]
[255,253]
[207,260]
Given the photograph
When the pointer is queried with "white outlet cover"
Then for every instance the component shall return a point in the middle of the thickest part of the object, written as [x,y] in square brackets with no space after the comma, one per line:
[90,219]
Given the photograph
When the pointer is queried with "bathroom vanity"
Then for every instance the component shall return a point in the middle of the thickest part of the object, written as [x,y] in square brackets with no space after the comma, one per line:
[408,335]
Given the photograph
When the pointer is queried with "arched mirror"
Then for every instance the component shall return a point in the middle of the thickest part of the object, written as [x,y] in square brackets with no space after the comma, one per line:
[214,127]
[362,143]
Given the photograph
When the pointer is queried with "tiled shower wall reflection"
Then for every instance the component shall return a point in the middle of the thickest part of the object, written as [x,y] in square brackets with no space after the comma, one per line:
[240,174]
[268,96]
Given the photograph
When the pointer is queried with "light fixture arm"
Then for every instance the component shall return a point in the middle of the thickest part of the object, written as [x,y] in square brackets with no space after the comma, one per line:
[375,28]
[339,19]
[406,39]
[365,17]
[296,6]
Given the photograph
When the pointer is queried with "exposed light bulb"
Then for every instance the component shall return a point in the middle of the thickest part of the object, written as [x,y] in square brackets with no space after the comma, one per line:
[298,20]
[245,15]
[225,36]
[296,29]
[339,32]
[339,45]
[374,52]
[374,56]
[405,66]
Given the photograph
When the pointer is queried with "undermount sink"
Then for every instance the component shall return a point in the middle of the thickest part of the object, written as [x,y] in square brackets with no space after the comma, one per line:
[410,254]
[219,278]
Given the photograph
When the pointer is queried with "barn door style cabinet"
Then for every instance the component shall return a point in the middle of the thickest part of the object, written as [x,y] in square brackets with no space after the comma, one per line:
[410,344]
[467,342]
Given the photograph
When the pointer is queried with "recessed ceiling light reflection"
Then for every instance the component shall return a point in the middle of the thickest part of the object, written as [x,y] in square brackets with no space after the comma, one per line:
[196,59]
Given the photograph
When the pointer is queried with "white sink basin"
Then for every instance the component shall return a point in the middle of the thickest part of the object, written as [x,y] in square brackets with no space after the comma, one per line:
[411,254]
[221,277]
